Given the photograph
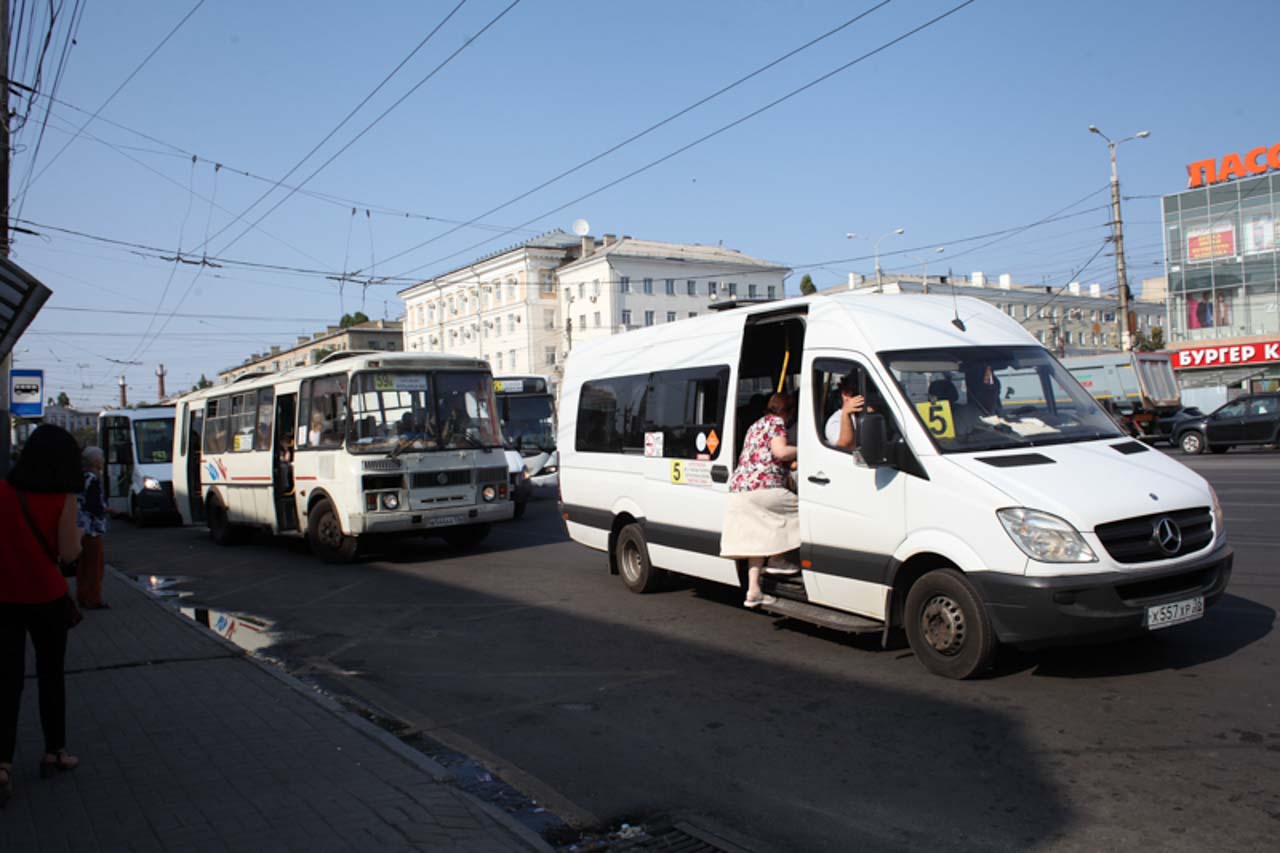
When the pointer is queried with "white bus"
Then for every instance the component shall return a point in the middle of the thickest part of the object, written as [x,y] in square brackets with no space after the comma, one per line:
[138,476]
[964,520]
[527,409]
[358,445]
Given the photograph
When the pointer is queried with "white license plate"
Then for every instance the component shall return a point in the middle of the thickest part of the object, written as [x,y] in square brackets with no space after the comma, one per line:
[1174,613]
[443,520]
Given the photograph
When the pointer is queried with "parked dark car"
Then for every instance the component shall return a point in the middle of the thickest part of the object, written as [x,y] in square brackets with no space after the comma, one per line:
[1165,427]
[1252,419]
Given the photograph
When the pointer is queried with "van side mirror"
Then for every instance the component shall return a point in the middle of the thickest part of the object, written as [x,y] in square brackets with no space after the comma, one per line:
[873,439]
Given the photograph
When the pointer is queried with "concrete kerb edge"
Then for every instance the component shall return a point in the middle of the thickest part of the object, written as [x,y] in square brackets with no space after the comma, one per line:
[438,772]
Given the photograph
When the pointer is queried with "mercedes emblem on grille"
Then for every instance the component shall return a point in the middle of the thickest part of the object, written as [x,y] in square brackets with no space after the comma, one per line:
[1167,536]
[443,479]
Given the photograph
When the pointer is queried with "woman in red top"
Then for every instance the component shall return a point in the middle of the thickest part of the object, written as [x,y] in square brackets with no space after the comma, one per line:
[32,589]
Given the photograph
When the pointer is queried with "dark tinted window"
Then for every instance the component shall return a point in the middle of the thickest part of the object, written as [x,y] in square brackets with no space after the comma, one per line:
[611,415]
[686,404]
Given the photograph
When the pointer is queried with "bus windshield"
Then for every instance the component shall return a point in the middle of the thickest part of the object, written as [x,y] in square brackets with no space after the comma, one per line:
[395,411]
[995,398]
[528,422]
[154,438]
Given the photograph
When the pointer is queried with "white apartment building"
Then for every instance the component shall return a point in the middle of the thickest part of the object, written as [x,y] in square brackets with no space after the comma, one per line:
[501,308]
[522,308]
[628,283]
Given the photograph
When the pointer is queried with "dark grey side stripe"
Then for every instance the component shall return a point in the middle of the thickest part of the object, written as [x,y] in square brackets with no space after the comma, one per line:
[848,563]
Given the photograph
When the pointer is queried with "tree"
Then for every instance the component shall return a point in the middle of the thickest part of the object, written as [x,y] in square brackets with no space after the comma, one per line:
[63,400]
[807,286]
[349,320]
[1151,341]
[203,383]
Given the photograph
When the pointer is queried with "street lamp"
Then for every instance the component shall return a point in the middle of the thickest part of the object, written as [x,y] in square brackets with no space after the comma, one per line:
[1117,234]
[876,244]
[925,261]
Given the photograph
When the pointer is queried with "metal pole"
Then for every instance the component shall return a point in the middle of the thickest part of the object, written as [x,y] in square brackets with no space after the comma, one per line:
[1117,230]
[6,363]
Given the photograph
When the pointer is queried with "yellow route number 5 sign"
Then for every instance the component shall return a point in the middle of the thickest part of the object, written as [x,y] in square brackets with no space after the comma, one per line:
[937,418]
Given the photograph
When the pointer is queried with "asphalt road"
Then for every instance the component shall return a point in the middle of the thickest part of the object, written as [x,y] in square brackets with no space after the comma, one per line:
[604,704]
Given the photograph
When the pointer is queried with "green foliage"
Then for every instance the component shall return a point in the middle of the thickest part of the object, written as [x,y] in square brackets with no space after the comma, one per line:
[349,320]
[807,286]
[203,383]
[1150,341]
[64,400]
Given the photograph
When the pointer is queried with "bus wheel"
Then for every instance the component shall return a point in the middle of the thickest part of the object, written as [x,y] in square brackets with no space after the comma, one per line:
[632,554]
[947,625]
[467,536]
[221,530]
[325,535]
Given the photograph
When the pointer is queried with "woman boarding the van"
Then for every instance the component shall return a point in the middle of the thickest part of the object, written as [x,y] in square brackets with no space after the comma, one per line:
[762,517]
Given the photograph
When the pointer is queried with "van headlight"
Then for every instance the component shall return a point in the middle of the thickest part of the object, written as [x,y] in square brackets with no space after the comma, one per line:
[151,484]
[1219,517]
[548,470]
[1045,537]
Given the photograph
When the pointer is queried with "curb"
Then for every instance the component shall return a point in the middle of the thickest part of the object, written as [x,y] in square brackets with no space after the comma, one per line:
[437,771]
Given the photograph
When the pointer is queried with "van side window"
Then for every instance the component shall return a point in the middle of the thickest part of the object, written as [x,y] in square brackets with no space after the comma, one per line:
[828,373]
[685,404]
[611,415]
[217,424]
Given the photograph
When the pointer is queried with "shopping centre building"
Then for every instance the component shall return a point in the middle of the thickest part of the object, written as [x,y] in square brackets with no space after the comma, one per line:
[1221,239]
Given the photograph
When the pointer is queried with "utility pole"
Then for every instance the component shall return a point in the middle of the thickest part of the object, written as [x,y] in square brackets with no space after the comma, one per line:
[1117,237]
[161,373]
[6,363]
[124,394]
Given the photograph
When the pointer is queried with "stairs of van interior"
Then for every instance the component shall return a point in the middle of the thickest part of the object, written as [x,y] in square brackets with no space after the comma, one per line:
[793,602]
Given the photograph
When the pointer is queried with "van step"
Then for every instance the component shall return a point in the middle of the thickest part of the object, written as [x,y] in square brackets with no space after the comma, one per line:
[824,616]
[784,586]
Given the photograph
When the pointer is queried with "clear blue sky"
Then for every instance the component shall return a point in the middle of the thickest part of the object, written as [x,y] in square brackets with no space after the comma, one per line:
[975,125]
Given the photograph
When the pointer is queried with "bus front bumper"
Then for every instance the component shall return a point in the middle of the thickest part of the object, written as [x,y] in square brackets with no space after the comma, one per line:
[1038,611]
[421,521]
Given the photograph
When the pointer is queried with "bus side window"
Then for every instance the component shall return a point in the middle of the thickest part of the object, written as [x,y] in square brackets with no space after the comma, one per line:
[266,415]
[328,412]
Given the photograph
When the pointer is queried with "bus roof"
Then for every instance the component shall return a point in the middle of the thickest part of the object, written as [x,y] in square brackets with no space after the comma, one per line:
[143,414]
[350,363]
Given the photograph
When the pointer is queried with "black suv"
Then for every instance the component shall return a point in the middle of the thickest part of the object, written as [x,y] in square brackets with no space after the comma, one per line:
[1253,419]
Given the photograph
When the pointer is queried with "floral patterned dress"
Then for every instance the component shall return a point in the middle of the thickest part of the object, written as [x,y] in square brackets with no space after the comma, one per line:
[757,469]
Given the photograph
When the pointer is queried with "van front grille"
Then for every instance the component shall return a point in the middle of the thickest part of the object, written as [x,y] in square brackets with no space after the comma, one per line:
[1135,540]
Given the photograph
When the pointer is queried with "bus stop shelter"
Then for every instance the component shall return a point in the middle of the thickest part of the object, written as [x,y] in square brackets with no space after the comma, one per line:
[21,297]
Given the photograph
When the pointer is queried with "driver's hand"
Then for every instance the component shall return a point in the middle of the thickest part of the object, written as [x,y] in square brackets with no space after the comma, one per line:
[853,405]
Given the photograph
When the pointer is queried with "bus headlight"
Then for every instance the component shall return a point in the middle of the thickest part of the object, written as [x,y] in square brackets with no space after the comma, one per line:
[489,493]
[1045,537]
[390,500]
[151,484]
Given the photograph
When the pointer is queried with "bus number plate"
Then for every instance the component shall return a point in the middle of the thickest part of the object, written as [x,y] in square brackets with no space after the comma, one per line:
[443,520]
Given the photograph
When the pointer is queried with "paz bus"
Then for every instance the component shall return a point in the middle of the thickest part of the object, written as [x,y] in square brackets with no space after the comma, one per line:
[358,445]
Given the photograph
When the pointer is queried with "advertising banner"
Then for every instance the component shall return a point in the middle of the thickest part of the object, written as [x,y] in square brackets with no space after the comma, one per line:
[1261,234]
[1262,352]
[1204,243]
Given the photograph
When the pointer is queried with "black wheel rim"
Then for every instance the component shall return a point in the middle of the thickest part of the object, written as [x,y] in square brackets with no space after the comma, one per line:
[943,625]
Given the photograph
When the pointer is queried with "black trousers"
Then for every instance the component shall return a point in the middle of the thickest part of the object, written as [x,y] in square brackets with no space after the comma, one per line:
[47,625]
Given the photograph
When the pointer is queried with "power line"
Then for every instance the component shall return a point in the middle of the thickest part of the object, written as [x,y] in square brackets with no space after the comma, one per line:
[708,136]
[32,179]
[650,129]
[122,311]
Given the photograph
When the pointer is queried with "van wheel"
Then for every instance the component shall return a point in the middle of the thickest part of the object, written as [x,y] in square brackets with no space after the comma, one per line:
[1192,443]
[221,530]
[325,535]
[632,554]
[468,536]
[947,625]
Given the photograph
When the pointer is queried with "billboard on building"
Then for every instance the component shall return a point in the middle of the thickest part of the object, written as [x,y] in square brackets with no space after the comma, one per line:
[1261,234]
[1206,242]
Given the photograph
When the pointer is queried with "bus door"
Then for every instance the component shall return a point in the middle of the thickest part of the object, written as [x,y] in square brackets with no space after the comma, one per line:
[282,467]
[192,435]
[116,439]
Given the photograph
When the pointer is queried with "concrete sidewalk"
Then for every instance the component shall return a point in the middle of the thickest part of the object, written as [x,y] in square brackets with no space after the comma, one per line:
[186,743]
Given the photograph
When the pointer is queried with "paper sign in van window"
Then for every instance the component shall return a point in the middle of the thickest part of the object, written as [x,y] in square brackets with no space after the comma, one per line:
[937,418]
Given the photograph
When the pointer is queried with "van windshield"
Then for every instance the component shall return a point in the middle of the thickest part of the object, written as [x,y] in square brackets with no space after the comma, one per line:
[995,398]
[154,438]
[403,410]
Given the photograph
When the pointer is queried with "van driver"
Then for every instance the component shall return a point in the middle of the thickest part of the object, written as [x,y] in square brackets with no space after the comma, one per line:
[840,431]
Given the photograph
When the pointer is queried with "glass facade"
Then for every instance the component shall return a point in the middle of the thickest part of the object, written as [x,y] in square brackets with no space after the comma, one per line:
[1221,256]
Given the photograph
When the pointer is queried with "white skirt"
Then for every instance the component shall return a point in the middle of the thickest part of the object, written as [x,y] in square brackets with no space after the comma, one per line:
[760,523]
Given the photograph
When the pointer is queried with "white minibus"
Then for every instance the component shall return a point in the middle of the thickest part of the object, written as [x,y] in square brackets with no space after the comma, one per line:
[527,409]
[138,477]
[966,517]
[360,444]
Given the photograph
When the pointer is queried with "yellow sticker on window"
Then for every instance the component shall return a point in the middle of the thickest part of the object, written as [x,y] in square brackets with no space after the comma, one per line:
[383,382]
[937,418]
[497,386]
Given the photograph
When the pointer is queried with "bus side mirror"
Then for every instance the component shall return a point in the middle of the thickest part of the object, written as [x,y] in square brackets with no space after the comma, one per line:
[873,439]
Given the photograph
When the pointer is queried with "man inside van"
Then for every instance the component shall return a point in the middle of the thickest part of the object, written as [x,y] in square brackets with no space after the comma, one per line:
[840,431]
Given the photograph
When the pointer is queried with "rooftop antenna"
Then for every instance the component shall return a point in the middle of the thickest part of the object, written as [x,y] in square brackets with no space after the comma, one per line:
[955,303]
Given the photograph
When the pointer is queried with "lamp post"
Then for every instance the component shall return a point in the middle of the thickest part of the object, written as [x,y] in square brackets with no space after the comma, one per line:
[925,261]
[876,244]
[1117,235]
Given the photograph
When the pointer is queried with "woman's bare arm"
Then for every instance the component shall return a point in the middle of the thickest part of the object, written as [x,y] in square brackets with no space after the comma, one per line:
[68,532]
[782,452]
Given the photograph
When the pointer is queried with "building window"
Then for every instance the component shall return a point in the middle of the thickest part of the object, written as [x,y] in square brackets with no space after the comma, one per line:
[753,291]
[546,283]
[499,361]
[692,287]
[511,324]
[595,287]
[511,291]
[648,285]
[549,319]
[549,356]
[711,288]
[596,318]
[624,284]
[693,314]
[648,318]
[671,287]
[773,291]
[733,289]
[582,321]
[626,316]
[514,364]
[582,290]
[671,316]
